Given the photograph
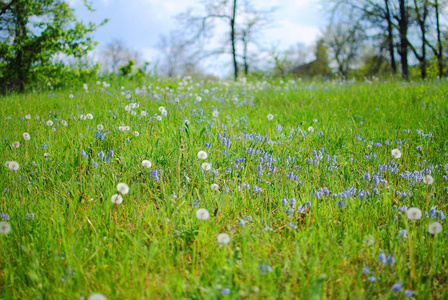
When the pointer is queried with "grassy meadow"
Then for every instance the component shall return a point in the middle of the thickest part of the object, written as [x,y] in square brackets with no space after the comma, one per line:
[323,190]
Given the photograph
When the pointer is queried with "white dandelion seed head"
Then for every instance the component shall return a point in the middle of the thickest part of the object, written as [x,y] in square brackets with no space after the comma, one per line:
[206,166]
[143,113]
[136,133]
[134,113]
[428,179]
[435,228]
[122,188]
[71,96]
[214,187]
[134,105]
[198,98]
[202,214]
[146,163]
[5,228]
[100,127]
[223,238]
[202,154]
[28,117]
[159,118]
[315,120]
[311,129]
[13,165]
[161,108]
[414,213]
[270,117]
[64,123]
[46,155]
[97,296]
[127,108]
[396,153]
[89,116]
[84,86]
[7,163]
[15,144]
[116,199]
[164,113]
[369,240]
[53,129]
[49,123]
[215,114]
[82,117]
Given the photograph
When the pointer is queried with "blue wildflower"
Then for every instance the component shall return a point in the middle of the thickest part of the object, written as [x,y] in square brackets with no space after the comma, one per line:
[397,287]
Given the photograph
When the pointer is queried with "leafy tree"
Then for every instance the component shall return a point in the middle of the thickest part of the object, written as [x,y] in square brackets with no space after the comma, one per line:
[32,32]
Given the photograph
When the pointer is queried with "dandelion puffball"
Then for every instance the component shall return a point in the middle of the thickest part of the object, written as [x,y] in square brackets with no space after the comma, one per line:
[396,153]
[100,127]
[136,133]
[435,228]
[122,188]
[428,179]
[223,238]
[206,166]
[116,199]
[161,108]
[215,114]
[97,296]
[13,165]
[26,136]
[89,116]
[5,228]
[49,123]
[311,129]
[46,155]
[146,163]
[202,214]
[15,145]
[143,113]
[414,213]
[202,154]
[270,117]
[214,187]
[28,117]
[159,118]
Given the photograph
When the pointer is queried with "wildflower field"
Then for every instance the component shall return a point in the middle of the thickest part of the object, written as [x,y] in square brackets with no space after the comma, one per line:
[215,190]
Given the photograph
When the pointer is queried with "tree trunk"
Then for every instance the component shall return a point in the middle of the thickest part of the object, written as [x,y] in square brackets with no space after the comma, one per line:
[246,64]
[439,41]
[390,38]
[232,38]
[403,24]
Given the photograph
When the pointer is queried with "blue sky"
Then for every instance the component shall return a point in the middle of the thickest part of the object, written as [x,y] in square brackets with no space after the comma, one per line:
[139,23]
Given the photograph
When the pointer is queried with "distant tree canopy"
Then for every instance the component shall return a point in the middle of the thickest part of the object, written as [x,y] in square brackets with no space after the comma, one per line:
[32,32]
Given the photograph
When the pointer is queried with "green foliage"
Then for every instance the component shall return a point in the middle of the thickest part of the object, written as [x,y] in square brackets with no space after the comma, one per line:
[127,69]
[36,31]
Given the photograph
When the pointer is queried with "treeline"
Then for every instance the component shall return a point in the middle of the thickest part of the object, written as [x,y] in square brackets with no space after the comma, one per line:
[41,41]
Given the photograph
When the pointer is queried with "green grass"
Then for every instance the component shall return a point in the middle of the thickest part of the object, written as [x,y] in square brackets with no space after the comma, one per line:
[152,246]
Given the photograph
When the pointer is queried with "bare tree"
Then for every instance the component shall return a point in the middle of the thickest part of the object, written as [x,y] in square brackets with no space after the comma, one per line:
[116,54]
[344,40]
[179,56]
[201,23]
